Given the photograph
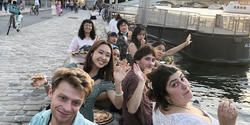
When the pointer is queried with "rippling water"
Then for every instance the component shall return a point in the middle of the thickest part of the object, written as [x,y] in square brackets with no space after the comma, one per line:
[212,82]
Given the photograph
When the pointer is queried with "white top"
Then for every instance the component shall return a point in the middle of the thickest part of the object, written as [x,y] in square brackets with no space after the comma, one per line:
[181,119]
[113,26]
[94,13]
[78,43]
[36,2]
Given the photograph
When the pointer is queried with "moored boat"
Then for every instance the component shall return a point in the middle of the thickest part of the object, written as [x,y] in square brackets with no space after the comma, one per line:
[240,6]
[217,37]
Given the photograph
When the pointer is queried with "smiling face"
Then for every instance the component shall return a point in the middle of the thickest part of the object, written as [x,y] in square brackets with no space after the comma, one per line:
[87,27]
[178,89]
[160,50]
[101,56]
[65,103]
[146,62]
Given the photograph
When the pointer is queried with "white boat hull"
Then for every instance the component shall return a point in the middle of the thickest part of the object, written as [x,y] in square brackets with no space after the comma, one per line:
[236,7]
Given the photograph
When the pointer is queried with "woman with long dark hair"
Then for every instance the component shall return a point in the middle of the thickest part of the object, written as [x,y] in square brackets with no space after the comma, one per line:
[138,40]
[85,39]
[99,65]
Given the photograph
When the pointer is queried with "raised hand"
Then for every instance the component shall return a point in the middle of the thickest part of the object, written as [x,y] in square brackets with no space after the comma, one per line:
[125,65]
[141,76]
[121,70]
[130,35]
[227,113]
[143,42]
[188,40]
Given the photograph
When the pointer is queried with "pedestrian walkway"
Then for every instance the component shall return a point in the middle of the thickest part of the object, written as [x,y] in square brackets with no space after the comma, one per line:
[39,48]
[26,10]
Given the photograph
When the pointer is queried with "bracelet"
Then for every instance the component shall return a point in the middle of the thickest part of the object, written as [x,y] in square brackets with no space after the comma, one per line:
[119,94]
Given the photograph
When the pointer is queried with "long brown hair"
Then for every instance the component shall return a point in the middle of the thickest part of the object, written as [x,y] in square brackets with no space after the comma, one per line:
[107,71]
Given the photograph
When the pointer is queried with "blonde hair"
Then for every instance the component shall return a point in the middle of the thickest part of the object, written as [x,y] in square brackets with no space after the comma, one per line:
[75,77]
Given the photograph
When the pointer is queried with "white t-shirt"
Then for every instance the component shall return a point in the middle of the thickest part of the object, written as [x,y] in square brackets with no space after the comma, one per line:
[113,26]
[77,43]
[181,119]
[36,2]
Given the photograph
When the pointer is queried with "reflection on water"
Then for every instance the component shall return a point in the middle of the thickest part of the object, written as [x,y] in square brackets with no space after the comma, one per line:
[211,82]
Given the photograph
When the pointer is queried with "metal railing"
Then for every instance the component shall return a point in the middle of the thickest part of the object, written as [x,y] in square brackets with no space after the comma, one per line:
[214,24]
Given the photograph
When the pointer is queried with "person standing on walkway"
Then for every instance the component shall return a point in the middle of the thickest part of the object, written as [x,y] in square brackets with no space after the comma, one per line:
[58,8]
[71,4]
[113,23]
[136,108]
[70,88]
[37,5]
[5,4]
[1,4]
[99,4]
[76,5]
[53,8]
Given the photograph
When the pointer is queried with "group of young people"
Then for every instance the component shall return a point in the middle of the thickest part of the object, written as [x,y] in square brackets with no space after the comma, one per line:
[126,72]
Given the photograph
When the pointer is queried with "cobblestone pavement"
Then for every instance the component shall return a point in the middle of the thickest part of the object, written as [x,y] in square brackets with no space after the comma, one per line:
[39,48]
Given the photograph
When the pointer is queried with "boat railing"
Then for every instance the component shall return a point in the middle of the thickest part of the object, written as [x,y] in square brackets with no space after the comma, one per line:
[212,24]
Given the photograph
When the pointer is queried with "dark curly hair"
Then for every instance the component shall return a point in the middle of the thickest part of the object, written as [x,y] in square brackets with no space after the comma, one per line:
[137,31]
[159,79]
[81,32]
[106,72]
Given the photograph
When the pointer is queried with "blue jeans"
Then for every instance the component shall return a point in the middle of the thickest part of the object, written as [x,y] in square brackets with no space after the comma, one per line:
[5,4]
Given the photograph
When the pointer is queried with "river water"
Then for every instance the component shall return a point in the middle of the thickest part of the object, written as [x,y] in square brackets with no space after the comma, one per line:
[212,82]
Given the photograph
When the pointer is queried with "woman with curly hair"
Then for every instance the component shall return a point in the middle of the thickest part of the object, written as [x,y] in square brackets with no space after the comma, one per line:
[85,39]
